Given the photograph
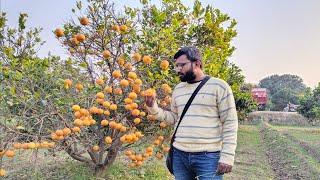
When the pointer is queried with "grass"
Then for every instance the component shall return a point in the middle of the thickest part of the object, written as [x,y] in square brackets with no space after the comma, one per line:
[250,161]
[288,159]
[310,135]
[263,152]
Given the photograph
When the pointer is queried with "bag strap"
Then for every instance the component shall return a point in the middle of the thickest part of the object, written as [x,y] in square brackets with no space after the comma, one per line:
[187,106]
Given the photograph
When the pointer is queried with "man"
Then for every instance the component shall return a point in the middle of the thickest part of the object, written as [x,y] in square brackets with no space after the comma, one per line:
[205,142]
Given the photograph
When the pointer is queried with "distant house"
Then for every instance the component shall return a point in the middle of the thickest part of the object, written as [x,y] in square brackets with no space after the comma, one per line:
[261,96]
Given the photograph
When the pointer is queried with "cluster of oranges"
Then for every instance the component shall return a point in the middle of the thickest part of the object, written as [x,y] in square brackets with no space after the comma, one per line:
[60,134]
[131,137]
[138,159]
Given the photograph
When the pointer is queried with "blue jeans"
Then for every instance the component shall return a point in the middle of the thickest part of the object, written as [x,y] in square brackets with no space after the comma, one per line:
[197,165]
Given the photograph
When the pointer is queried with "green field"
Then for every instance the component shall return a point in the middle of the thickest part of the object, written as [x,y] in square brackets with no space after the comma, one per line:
[264,151]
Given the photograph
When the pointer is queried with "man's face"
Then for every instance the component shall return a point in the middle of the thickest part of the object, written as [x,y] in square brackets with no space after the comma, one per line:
[184,69]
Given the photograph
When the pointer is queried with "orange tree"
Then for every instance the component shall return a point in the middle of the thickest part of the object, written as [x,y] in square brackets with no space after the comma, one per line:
[91,105]
[29,92]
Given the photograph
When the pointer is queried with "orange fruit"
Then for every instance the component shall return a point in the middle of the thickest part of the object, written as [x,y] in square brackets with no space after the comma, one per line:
[150,92]
[132,95]
[76,108]
[99,81]
[84,112]
[163,124]
[128,66]
[112,124]
[80,37]
[134,105]
[118,91]
[66,131]
[86,122]
[2,172]
[68,82]
[106,104]
[75,129]
[123,139]
[147,59]
[106,112]
[124,83]
[128,152]
[149,149]
[136,57]
[127,101]
[139,157]
[113,107]
[151,117]
[77,114]
[84,21]
[116,74]
[79,86]
[123,129]
[135,112]
[128,107]
[123,28]
[9,153]
[100,95]
[132,75]
[166,149]
[121,61]
[108,89]
[164,64]
[93,110]
[95,148]
[137,120]
[32,145]
[138,134]
[138,82]
[136,88]
[108,140]
[59,132]
[156,142]
[51,145]
[161,138]
[104,122]
[106,54]
[78,122]
[17,145]
[142,114]
[116,28]
[59,32]
[159,155]
[74,41]
[26,146]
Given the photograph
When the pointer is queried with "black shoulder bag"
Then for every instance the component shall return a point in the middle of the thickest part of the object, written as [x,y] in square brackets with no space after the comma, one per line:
[170,153]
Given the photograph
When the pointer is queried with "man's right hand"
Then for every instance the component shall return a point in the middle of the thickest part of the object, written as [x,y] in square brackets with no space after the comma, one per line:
[150,100]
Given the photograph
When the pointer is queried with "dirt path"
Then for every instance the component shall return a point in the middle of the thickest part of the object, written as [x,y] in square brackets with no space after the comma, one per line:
[285,157]
[312,152]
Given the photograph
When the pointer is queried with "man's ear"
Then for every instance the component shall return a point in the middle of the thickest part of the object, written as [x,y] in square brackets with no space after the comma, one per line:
[199,64]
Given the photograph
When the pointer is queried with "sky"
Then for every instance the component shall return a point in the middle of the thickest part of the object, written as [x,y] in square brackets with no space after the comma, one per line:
[274,36]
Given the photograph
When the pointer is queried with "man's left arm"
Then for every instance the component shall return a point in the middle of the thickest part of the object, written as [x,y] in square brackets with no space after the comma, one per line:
[229,119]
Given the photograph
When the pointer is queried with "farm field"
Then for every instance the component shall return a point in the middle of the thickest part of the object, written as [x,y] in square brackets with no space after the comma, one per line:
[264,152]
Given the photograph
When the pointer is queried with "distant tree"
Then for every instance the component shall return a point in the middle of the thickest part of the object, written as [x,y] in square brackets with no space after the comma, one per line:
[310,104]
[283,89]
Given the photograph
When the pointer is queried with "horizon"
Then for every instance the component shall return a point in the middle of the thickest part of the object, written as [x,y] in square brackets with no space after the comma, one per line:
[282,42]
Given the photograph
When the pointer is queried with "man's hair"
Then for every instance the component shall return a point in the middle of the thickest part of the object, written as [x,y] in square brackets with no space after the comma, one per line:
[192,53]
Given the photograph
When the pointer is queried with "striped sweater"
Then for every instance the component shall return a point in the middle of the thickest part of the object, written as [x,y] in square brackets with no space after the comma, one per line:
[210,123]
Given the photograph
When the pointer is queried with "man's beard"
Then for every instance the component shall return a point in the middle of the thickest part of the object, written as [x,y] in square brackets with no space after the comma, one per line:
[188,77]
